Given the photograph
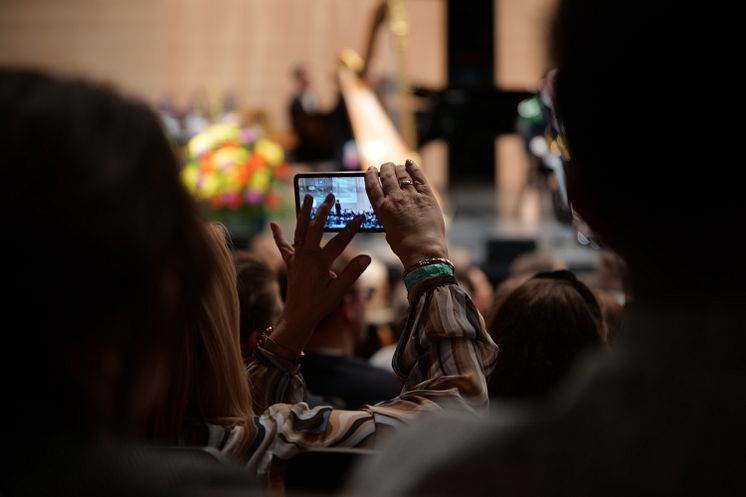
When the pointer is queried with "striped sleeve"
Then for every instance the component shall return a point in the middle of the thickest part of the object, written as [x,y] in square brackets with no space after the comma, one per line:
[443,354]
[274,380]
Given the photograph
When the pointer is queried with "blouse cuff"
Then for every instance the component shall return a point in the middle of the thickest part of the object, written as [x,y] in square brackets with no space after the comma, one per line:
[424,286]
[278,362]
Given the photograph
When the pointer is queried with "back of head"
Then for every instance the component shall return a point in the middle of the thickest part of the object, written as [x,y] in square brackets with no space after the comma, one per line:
[541,328]
[258,295]
[106,255]
[643,101]
[537,261]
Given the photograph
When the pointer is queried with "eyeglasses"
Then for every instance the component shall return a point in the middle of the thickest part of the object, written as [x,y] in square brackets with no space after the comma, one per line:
[554,133]
[559,158]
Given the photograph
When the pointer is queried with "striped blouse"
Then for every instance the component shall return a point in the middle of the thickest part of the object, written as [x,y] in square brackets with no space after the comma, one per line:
[443,356]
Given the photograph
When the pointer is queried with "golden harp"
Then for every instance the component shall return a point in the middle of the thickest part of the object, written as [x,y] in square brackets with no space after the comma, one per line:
[377,138]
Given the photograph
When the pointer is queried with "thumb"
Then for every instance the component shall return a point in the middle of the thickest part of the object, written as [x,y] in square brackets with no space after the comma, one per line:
[286,250]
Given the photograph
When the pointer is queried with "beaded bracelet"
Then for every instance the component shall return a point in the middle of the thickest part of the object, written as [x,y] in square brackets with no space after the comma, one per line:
[426,262]
[427,271]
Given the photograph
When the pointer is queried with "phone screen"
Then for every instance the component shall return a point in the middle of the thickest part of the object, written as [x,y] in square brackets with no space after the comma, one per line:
[350,198]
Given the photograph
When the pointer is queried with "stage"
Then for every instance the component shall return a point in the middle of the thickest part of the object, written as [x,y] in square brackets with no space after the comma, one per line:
[475,226]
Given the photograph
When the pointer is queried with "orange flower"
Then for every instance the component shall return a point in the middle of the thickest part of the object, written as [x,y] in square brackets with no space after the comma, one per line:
[255,162]
[240,175]
[206,163]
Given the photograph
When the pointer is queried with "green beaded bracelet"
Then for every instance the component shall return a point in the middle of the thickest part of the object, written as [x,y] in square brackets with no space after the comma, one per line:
[424,272]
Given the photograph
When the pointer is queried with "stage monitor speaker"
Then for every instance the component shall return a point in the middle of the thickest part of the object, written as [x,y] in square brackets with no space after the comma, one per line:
[501,252]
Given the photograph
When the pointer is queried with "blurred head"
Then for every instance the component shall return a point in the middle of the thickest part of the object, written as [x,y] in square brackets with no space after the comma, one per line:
[472,279]
[374,283]
[503,291]
[631,121]
[541,328]
[259,298]
[354,303]
[107,260]
[537,261]
[345,326]
[478,285]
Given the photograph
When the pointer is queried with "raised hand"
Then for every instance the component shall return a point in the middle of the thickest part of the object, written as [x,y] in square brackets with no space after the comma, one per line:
[406,206]
[313,289]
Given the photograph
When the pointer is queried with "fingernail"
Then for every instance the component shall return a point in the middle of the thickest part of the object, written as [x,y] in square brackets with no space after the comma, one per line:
[373,168]
[409,163]
[364,261]
[307,199]
[330,197]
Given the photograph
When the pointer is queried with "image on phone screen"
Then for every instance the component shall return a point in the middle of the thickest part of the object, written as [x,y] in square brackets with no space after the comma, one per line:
[350,198]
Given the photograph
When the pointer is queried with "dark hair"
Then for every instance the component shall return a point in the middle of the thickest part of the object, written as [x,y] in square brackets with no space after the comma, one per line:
[541,327]
[107,258]
[257,302]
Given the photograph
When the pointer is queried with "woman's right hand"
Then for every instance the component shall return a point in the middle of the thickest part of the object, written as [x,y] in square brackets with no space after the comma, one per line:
[406,207]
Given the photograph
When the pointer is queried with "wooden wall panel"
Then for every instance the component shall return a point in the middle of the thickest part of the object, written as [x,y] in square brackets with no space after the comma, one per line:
[521,32]
[179,48]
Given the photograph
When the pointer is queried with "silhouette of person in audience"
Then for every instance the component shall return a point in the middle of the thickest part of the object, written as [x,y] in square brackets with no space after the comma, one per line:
[662,412]
[109,266]
[542,327]
[137,338]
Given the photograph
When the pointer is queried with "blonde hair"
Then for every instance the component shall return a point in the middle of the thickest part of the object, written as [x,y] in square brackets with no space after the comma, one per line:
[210,383]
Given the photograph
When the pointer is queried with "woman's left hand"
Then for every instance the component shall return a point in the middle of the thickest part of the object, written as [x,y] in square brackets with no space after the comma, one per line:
[313,289]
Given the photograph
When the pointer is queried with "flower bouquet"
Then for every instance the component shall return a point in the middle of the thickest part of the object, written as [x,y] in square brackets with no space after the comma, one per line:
[237,174]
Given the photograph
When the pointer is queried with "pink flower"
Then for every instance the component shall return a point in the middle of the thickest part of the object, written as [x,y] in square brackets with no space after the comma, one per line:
[253,197]
[247,136]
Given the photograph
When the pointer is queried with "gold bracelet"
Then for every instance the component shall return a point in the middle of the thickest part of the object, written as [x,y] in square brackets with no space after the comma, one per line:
[427,262]
[275,348]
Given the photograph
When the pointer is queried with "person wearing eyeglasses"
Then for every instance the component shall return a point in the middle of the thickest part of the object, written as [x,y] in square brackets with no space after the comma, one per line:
[639,99]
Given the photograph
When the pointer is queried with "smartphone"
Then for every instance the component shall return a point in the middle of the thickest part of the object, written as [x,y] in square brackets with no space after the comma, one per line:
[350,198]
